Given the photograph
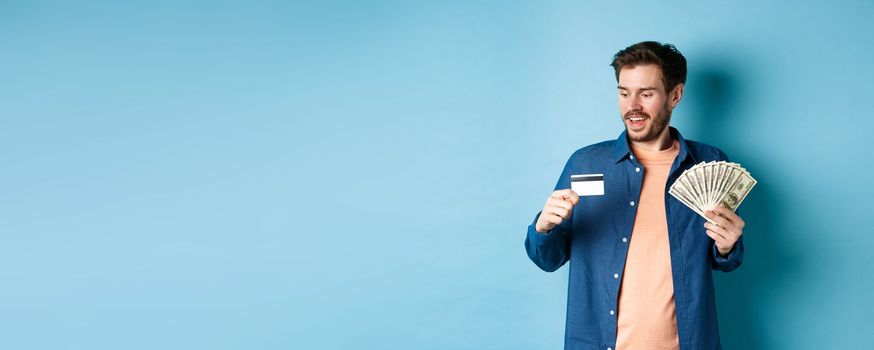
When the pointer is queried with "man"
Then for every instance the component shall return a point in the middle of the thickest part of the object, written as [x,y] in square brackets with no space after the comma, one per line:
[640,261]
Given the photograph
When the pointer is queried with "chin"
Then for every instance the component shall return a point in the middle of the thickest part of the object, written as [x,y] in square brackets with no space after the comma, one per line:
[644,135]
[635,135]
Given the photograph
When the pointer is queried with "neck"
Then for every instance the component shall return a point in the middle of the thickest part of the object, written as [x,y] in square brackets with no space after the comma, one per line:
[660,143]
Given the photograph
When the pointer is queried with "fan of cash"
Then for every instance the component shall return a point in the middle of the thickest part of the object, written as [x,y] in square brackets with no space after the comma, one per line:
[706,185]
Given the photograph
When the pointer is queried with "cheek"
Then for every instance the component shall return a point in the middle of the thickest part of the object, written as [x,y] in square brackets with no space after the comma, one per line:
[624,108]
[655,108]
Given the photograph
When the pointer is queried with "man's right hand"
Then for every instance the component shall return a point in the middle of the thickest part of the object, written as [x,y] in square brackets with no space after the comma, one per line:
[558,208]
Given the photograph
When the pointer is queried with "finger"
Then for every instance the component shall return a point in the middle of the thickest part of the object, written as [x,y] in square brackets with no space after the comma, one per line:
[712,235]
[560,203]
[563,213]
[721,209]
[730,235]
[551,218]
[740,222]
[732,224]
[721,244]
[730,215]
[716,237]
[716,229]
[560,194]
[567,194]
[719,219]
[573,197]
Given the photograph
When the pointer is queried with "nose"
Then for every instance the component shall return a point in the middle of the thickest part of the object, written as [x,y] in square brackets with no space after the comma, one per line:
[633,104]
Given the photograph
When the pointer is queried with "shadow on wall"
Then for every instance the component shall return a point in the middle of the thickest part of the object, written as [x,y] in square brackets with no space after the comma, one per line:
[744,295]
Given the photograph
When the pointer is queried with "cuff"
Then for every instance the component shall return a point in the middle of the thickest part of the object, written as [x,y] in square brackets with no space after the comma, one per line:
[731,261]
[539,238]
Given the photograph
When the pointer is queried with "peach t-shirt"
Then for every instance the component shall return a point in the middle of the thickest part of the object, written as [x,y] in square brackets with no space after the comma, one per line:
[646,315]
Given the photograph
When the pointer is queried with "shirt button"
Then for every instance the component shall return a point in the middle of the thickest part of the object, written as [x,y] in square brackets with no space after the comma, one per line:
[631,156]
[609,348]
[615,275]
[624,239]
[637,169]
[612,312]
[632,203]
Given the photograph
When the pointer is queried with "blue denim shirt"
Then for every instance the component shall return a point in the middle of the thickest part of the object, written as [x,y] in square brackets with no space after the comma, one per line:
[595,241]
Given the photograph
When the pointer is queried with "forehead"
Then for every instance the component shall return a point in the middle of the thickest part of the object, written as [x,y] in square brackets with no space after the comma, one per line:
[641,76]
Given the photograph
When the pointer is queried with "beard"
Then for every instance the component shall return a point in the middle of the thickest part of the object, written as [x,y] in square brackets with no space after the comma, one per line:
[659,123]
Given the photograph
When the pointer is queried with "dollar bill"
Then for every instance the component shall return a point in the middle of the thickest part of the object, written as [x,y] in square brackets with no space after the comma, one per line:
[708,184]
[738,192]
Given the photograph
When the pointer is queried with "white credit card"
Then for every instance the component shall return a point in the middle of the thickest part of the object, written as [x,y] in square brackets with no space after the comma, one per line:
[588,184]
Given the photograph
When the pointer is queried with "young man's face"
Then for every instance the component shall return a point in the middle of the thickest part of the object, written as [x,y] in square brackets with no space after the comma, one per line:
[644,105]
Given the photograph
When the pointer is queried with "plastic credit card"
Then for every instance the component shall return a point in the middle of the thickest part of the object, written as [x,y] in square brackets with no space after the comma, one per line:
[588,184]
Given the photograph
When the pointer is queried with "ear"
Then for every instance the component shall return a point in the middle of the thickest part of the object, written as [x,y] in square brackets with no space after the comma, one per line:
[676,95]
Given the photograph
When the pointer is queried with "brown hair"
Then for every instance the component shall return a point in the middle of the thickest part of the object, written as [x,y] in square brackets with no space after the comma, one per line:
[666,56]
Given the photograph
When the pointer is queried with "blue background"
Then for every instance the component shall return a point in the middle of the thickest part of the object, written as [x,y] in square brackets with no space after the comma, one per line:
[359,175]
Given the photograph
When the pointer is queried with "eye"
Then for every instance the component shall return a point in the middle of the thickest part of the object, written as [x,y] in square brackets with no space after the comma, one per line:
[623,94]
[647,95]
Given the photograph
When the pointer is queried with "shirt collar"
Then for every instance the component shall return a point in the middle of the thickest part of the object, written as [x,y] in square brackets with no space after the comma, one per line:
[623,151]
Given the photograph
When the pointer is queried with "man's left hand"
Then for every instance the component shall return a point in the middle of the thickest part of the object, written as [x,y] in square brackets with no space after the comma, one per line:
[728,229]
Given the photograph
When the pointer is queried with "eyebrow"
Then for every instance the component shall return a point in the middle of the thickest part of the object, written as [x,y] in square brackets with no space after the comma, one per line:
[641,89]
